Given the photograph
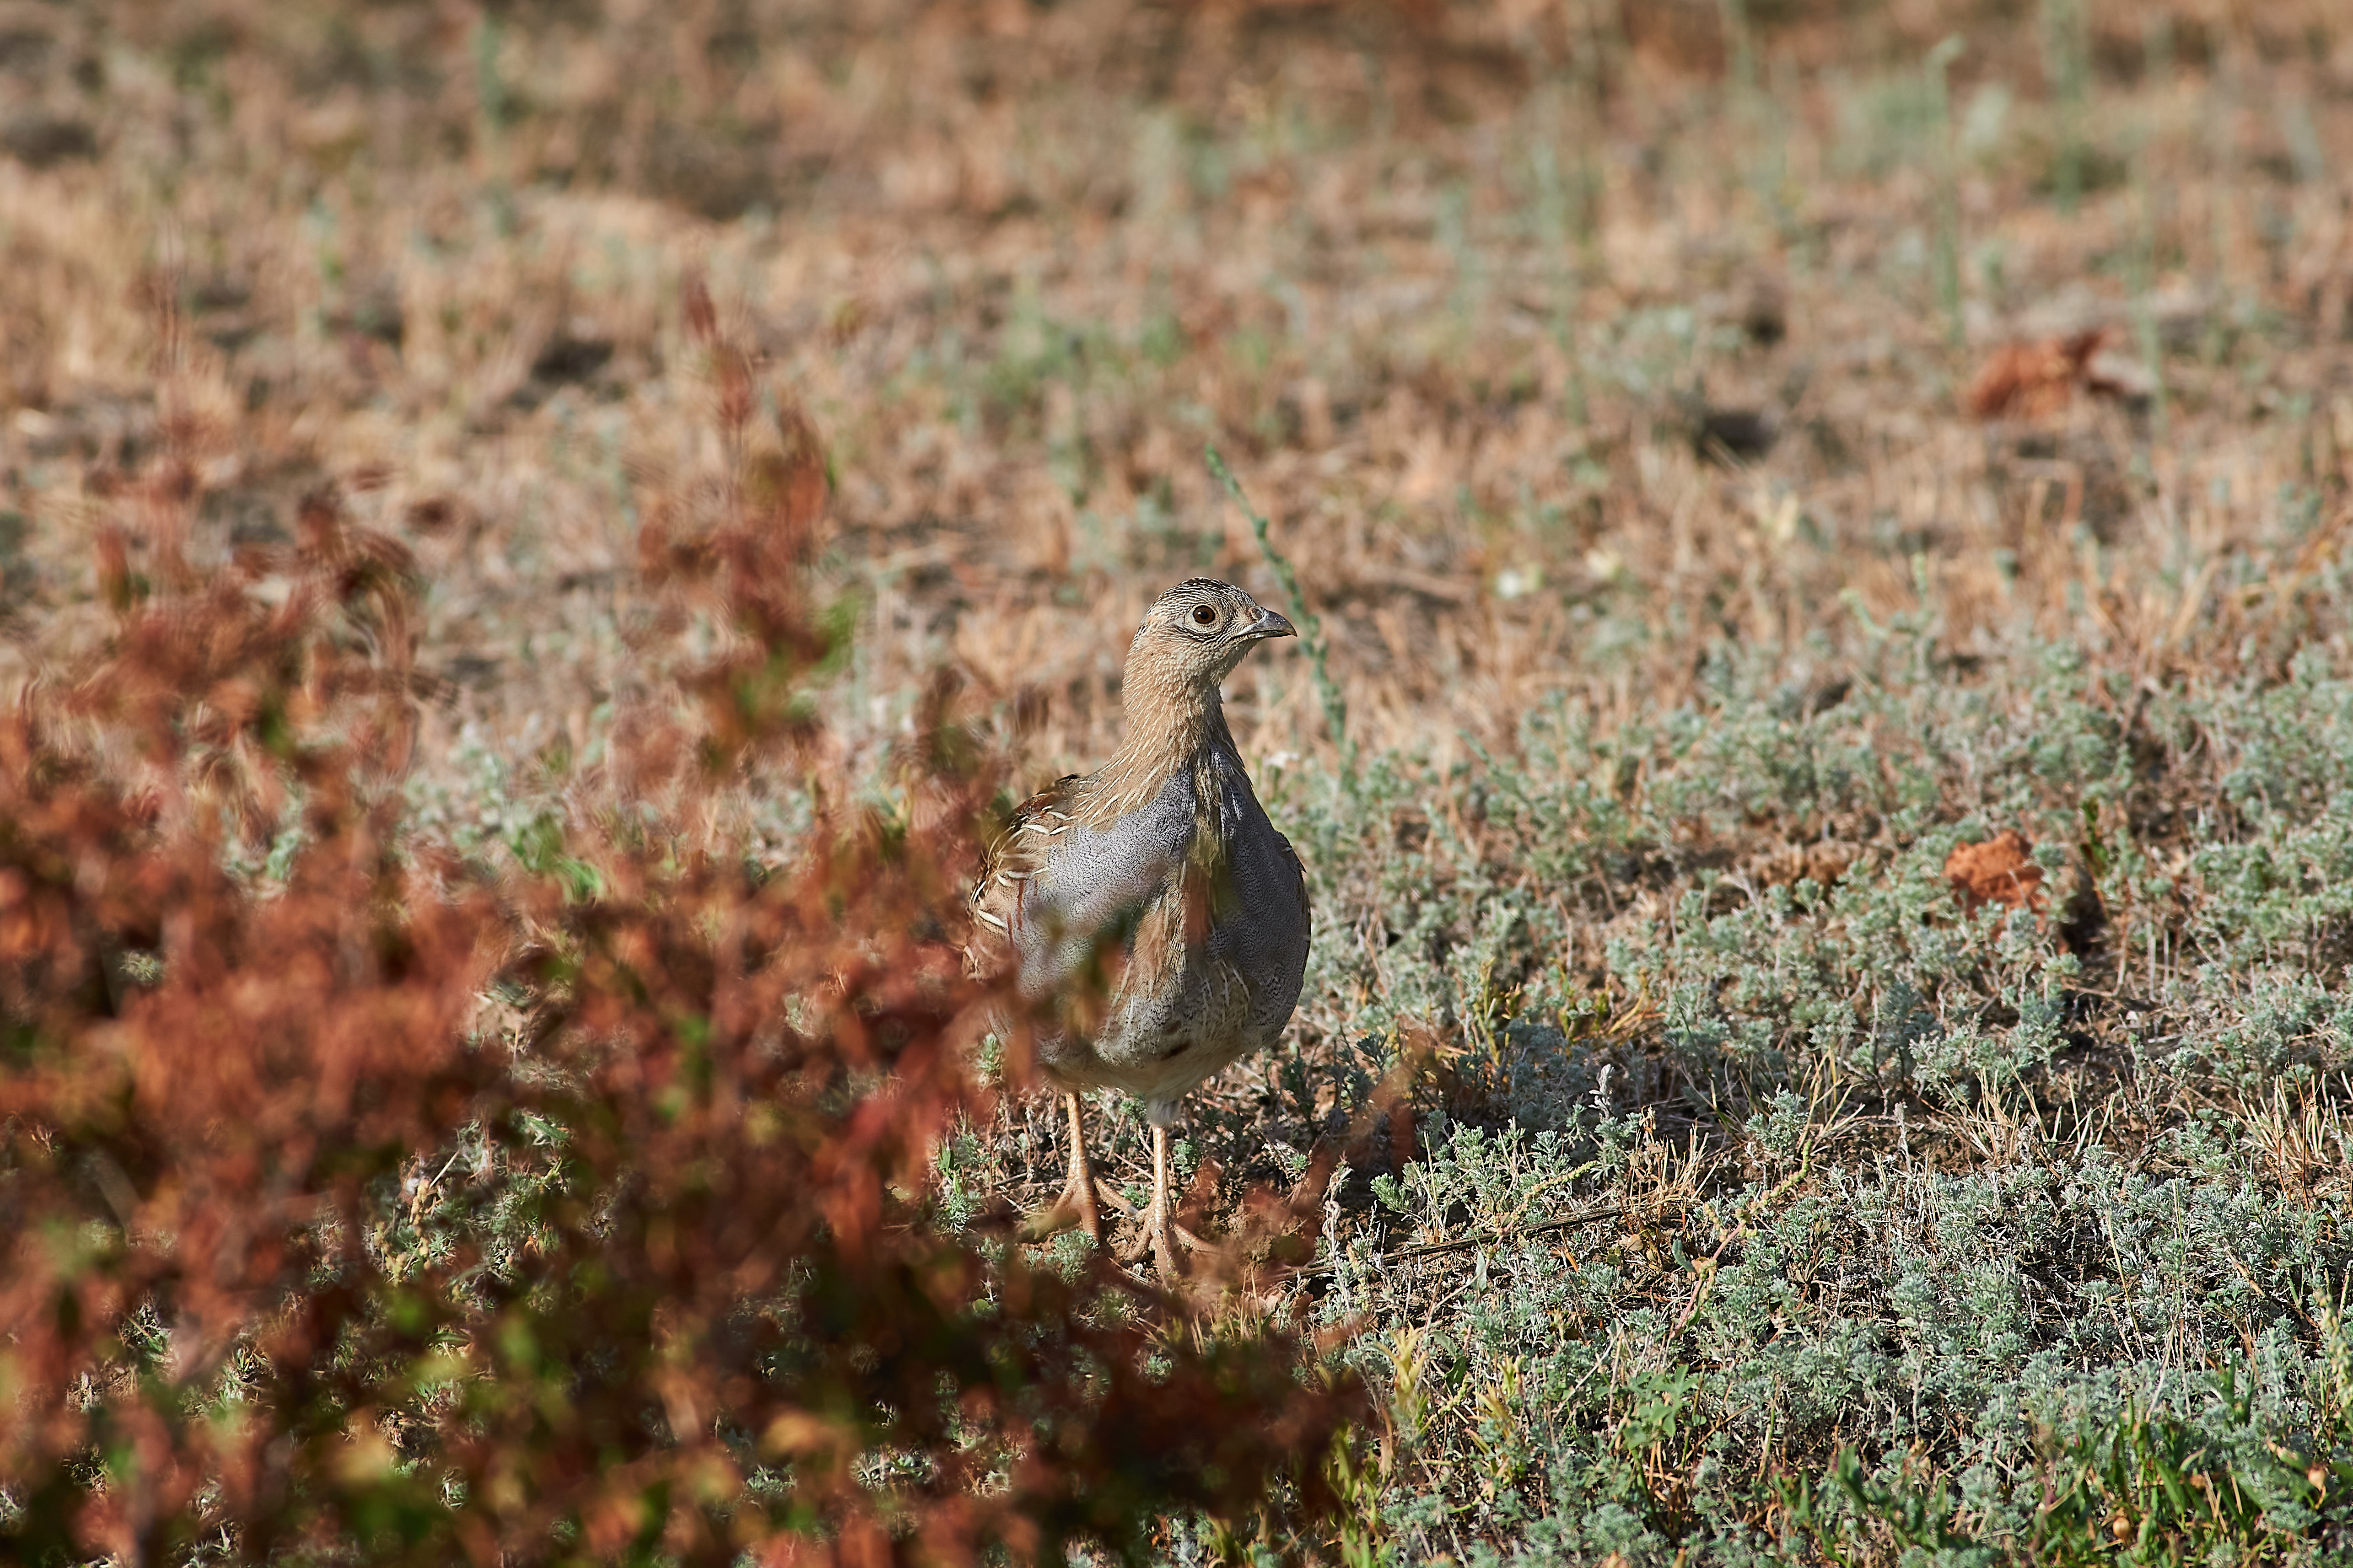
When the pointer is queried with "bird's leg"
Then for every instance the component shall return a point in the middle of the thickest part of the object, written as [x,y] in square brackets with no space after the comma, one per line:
[1080,1193]
[1158,1233]
[1162,1235]
[1077,1203]
[1161,1231]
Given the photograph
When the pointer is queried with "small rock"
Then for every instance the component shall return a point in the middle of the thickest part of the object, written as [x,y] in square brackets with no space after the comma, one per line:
[1736,433]
[565,357]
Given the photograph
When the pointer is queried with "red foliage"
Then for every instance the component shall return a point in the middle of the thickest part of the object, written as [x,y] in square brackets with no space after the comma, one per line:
[685,1293]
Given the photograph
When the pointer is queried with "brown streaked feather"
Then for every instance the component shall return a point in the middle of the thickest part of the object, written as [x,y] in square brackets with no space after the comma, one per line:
[1197,894]
[1017,853]
[1160,938]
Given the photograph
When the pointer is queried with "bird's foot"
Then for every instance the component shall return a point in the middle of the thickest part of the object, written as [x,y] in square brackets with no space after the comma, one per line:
[1074,1210]
[1168,1259]
[1171,1265]
[1167,1243]
[1076,1206]
[1052,1221]
[1161,1232]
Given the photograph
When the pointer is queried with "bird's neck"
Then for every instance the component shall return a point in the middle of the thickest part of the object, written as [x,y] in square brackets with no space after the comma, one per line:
[1170,724]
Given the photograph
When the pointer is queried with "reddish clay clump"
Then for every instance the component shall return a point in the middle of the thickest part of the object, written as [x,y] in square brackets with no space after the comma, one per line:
[2001,870]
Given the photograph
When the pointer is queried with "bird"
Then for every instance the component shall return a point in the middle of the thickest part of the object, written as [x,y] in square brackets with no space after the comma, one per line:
[1159,922]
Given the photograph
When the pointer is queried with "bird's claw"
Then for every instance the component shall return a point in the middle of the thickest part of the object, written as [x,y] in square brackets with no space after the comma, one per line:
[1070,1212]
[1166,1242]
[1052,1220]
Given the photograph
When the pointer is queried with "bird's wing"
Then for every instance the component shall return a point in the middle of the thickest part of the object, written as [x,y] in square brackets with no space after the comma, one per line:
[1019,853]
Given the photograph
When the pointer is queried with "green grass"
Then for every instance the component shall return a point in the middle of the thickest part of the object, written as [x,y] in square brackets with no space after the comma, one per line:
[2081,1304]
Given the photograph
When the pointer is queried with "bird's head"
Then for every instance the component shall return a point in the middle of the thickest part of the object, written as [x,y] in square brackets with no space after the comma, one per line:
[1195,633]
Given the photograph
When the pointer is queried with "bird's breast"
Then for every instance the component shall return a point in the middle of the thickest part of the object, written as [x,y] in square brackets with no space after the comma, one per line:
[1192,905]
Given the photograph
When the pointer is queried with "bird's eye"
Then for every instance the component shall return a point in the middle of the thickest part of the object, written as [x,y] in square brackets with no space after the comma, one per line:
[1204,616]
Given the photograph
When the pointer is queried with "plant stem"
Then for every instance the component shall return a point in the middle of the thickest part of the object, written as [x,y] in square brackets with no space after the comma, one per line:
[1949,191]
[1310,625]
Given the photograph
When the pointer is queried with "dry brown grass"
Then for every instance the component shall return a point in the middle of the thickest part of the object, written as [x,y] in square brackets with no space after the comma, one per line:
[1527,427]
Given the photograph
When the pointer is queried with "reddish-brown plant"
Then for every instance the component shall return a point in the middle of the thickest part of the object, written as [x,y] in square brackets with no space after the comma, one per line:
[387,1203]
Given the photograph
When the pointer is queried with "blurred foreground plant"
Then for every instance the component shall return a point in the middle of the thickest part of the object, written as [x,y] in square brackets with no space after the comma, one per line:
[387,1206]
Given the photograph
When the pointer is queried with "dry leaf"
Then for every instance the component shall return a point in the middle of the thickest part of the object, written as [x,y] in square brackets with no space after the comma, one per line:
[2032,381]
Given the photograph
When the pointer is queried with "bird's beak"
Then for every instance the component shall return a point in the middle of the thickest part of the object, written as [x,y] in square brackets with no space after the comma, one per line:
[1269,624]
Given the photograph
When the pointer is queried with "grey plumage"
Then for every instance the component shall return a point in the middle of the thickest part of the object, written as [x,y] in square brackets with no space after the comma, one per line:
[1151,899]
